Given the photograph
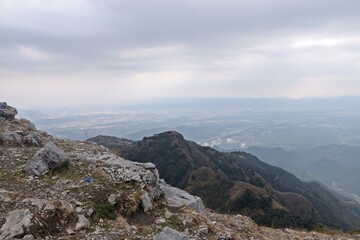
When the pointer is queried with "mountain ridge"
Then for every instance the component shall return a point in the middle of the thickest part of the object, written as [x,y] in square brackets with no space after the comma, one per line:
[335,165]
[216,177]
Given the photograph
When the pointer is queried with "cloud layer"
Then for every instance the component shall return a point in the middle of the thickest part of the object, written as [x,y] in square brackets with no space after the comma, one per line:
[121,51]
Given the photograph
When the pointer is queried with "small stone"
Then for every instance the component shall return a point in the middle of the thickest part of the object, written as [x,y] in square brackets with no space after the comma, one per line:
[28,237]
[83,223]
[112,199]
[160,220]
[98,229]
[64,193]
[70,231]
[117,235]
[4,196]
[90,212]
[78,209]
[203,229]
[30,178]
[146,202]
[128,227]
[78,203]
[168,214]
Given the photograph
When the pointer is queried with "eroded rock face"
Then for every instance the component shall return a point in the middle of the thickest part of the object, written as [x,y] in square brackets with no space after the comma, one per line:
[146,174]
[7,111]
[48,158]
[17,222]
[121,170]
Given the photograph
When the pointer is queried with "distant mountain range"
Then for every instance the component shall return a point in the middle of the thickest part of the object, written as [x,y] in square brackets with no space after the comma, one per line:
[337,166]
[238,182]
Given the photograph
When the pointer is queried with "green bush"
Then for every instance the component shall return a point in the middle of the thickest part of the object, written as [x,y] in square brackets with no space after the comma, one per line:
[106,211]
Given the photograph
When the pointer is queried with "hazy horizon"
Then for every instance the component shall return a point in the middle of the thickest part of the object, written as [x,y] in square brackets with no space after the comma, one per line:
[189,101]
[86,52]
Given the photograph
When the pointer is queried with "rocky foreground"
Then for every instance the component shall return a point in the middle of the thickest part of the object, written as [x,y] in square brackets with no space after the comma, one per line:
[60,189]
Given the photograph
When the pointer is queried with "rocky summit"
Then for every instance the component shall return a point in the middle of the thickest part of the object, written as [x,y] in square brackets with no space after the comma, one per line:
[7,112]
[53,188]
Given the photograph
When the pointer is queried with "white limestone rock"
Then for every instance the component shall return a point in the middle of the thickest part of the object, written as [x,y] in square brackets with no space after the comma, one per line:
[48,158]
[17,222]
[82,224]
[176,197]
[147,202]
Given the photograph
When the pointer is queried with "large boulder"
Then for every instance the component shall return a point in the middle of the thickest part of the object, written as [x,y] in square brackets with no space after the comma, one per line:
[48,158]
[17,223]
[11,139]
[6,111]
[176,197]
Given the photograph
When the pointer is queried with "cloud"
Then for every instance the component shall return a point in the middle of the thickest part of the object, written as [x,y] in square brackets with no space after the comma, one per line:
[142,49]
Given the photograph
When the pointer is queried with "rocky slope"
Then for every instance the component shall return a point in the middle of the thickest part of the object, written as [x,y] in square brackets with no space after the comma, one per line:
[59,189]
[240,183]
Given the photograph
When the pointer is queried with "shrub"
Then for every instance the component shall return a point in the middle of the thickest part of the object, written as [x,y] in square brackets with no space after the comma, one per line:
[106,211]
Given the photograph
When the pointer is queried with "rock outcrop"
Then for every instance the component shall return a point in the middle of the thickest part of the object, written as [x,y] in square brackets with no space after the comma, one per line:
[147,175]
[176,197]
[48,158]
[7,111]
[21,132]
[10,138]
[17,222]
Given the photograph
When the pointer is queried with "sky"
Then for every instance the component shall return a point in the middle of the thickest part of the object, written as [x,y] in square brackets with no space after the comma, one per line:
[86,52]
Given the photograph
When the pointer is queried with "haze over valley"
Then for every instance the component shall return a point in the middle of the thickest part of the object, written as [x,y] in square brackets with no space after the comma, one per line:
[221,123]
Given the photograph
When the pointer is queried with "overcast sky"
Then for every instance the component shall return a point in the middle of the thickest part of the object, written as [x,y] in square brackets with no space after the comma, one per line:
[86,52]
